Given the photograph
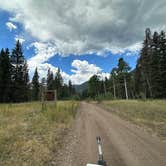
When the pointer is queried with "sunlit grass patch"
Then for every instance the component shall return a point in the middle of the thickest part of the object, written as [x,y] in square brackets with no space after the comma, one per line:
[151,113]
[28,135]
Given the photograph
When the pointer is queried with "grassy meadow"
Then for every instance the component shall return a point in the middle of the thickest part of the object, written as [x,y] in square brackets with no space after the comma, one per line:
[151,113]
[30,136]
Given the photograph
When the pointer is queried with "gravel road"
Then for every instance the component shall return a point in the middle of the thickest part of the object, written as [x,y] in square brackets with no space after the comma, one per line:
[124,144]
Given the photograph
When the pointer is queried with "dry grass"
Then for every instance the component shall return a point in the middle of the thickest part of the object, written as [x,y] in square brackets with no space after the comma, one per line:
[148,113]
[29,136]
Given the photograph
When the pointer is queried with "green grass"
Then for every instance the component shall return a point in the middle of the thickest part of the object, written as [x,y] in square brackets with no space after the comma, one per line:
[150,113]
[29,136]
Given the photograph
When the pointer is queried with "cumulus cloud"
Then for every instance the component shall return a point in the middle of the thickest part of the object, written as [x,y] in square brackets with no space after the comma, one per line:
[84,26]
[21,39]
[11,26]
[79,27]
[43,52]
[83,71]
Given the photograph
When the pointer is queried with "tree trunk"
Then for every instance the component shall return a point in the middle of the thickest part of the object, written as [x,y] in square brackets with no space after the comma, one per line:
[114,88]
[125,84]
[105,91]
[148,83]
[150,89]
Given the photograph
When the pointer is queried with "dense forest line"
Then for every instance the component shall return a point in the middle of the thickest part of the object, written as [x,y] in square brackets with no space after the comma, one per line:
[147,80]
[15,85]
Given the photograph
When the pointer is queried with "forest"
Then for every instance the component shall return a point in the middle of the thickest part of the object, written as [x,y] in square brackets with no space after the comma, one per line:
[15,85]
[146,81]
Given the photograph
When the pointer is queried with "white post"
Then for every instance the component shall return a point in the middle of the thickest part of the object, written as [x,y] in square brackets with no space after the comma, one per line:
[114,88]
[126,88]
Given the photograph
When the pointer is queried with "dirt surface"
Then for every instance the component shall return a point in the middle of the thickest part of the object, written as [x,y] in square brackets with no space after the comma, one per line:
[124,144]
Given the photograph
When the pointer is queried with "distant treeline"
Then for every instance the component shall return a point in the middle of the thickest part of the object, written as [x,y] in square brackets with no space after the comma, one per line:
[147,80]
[15,85]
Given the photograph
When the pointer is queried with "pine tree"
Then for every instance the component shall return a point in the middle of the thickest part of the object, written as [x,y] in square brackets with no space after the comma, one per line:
[5,76]
[94,86]
[150,72]
[131,84]
[2,55]
[50,80]
[20,78]
[65,92]
[123,72]
[70,87]
[113,81]
[107,84]
[154,68]
[26,85]
[162,73]
[35,86]
[58,83]
[143,72]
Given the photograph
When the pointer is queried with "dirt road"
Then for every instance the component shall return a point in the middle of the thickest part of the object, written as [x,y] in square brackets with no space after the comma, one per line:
[124,144]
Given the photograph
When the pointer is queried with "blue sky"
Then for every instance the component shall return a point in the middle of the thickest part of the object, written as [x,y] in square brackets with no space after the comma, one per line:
[105,63]
[88,37]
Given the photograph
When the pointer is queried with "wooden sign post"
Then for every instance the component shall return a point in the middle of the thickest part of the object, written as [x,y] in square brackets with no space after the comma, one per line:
[48,95]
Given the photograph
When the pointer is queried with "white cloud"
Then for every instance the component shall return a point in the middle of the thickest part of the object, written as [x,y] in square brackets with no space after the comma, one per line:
[83,67]
[83,71]
[84,26]
[21,39]
[11,26]
[43,52]
[79,27]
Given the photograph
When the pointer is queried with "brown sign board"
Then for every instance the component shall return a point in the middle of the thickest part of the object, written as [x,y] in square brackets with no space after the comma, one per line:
[49,95]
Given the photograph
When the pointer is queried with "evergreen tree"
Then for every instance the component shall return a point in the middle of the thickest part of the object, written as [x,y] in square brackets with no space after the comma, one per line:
[35,86]
[26,85]
[65,92]
[20,78]
[107,84]
[102,88]
[162,83]
[113,78]
[71,88]
[131,84]
[50,80]
[1,74]
[58,84]
[154,69]
[5,76]
[123,72]
[8,73]
[142,73]
[145,62]
[150,69]
[94,86]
